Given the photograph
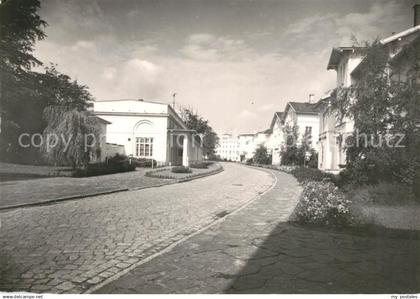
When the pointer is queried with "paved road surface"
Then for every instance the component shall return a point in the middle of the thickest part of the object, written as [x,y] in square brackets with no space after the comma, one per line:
[257,251]
[72,246]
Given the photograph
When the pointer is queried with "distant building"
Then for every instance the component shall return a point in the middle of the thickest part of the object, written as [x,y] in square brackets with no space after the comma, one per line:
[246,146]
[149,130]
[228,148]
[277,137]
[303,116]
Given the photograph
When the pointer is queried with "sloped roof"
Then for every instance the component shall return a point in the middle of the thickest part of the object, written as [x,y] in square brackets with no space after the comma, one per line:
[400,35]
[338,52]
[102,120]
[304,108]
[396,37]
[137,100]
[277,115]
[268,131]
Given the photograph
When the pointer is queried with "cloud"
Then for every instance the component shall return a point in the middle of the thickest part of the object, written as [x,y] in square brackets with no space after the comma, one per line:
[205,46]
[219,73]
[83,45]
[245,114]
[333,29]
[265,107]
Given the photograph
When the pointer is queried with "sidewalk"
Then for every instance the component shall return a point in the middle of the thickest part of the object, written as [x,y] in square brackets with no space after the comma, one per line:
[256,251]
[13,193]
[46,190]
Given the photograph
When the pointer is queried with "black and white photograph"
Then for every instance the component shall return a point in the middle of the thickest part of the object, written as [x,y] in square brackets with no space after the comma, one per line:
[209,147]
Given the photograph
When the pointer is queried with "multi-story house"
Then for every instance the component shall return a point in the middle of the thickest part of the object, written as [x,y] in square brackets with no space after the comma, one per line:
[276,138]
[348,62]
[246,146]
[228,148]
[304,117]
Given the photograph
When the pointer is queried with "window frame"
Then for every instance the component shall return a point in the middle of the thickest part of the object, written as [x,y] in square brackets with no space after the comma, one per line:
[144,147]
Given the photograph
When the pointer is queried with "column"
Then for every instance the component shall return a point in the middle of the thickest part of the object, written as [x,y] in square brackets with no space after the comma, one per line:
[185,160]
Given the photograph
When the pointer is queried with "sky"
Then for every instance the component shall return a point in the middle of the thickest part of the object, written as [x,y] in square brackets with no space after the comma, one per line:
[235,62]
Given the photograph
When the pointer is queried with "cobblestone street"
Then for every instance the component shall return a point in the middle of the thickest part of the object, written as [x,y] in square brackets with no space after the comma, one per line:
[256,251]
[72,246]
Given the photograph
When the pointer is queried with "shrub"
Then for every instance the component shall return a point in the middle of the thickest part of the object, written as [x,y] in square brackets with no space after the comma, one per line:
[142,162]
[417,184]
[305,174]
[294,155]
[116,164]
[382,193]
[181,169]
[321,203]
[261,156]
[291,155]
[249,161]
[200,165]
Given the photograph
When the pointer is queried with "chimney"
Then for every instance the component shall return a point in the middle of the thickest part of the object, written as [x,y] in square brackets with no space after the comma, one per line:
[416,15]
[311,98]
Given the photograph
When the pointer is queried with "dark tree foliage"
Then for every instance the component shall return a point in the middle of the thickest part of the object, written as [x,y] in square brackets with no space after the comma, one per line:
[20,28]
[194,121]
[74,136]
[262,156]
[25,94]
[385,106]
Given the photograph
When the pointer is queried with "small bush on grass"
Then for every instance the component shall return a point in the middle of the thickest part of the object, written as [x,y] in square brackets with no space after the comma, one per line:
[321,203]
[262,156]
[181,169]
[200,165]
[305,174]
[116,164]
[383,193]
[142,162]
[294,155]
[249,161]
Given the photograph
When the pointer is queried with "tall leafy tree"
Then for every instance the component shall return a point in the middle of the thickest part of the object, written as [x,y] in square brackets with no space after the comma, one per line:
[72,137]
[262,156]
[194,121]
[385,106]
[24,94]
[20,28]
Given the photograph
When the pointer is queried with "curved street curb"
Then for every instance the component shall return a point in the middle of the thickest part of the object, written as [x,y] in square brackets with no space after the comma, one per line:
[80,196]
[176,243]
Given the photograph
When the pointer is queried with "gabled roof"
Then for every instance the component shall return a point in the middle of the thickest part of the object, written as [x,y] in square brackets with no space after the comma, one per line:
[338,52]
[277,115]
[395,37]
[323,101]
[303,108]
[268,131]
[102,120]
[400,35]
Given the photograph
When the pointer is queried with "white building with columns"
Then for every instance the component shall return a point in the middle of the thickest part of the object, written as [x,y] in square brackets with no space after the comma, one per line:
[149,130]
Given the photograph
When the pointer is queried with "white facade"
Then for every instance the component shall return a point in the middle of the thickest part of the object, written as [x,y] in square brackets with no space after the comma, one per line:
[277,137]
[305,118]
[149,130]
[246,146]
[346,61]
[228,148]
